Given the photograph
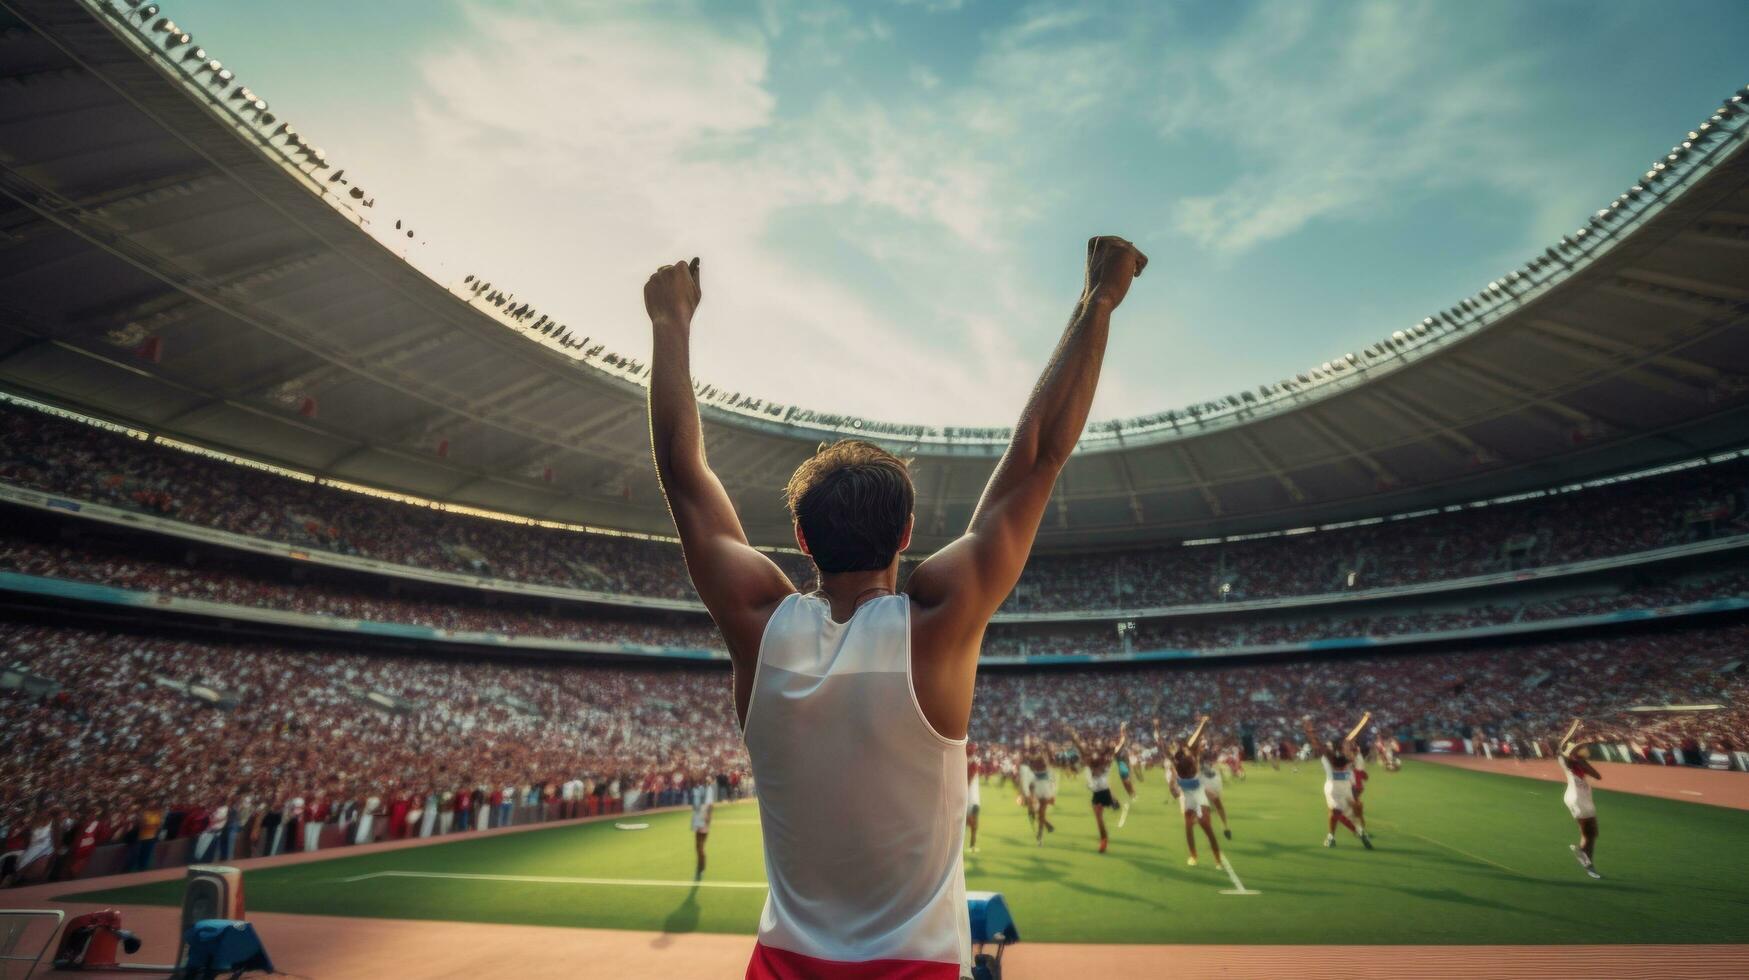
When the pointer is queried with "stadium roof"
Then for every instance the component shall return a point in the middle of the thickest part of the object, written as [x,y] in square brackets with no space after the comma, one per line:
[175,257]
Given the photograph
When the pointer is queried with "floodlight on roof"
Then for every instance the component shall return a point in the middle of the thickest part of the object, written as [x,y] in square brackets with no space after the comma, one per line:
[224,75]
[147,12]
[162,24]
[194,54]
[176,40]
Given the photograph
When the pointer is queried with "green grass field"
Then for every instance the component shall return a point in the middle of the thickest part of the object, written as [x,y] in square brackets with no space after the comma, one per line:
[1462,858]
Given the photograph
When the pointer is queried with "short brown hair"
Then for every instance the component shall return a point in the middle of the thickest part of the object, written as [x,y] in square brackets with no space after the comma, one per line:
[851,500]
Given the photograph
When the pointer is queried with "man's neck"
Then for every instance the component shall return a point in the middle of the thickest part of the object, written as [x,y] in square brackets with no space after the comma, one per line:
[844,590]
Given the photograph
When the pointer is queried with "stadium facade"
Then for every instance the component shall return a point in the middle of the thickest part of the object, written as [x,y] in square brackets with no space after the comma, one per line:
[185,266]
[182,260]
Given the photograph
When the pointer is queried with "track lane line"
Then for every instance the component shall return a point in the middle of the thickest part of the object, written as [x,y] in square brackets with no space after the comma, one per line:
[554,880]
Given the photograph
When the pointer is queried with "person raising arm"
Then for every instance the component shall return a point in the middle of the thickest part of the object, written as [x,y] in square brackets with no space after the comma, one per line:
[863,860]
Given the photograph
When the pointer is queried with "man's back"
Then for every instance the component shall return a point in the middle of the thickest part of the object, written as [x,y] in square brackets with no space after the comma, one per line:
[861,800]
[856,726]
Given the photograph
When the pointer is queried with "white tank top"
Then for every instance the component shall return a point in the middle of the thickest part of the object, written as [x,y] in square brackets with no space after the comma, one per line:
[862,803]
[1578,787]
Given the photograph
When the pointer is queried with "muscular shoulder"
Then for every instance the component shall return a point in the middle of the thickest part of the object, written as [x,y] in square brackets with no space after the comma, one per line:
[944,665]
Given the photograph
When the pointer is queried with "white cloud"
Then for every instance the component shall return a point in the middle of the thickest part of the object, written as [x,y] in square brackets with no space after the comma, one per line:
[603,147]
[1330,111]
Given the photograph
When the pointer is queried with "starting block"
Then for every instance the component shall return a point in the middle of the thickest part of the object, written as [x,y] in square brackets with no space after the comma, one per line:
[991,925]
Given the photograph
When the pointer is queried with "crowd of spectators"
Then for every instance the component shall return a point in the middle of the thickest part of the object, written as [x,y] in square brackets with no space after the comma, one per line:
[1521,694]
[1210,632]
[255,585]
[63,456]
[111,727]
[149,738]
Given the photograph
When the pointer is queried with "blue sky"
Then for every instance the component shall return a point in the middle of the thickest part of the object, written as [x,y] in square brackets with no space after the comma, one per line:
[891,199]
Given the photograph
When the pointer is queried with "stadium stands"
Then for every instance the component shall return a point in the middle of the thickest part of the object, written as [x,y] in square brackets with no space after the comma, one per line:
[110,726]
[58,455]
[262,585]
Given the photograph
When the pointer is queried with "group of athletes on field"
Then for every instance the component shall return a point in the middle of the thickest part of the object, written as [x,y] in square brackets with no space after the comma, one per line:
[1193,766]
[1194,778]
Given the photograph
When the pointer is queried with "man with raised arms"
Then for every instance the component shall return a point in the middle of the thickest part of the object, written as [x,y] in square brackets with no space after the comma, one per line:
[1040,785]
[1129,775]
[1213,789]
[1096,757]
[1184,780]
[863,861]
[1339,784]
[1579,771]
[701,792]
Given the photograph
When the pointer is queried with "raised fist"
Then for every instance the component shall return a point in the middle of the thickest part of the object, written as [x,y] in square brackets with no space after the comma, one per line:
[1111,263]
[671,294]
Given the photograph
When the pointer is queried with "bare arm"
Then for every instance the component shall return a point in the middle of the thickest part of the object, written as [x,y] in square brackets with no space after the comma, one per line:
[1123,735]
[1080,749]
[739,585]
[958,588]
[1196,736]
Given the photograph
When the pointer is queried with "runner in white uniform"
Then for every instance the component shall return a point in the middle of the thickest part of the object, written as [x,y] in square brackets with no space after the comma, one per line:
[1211,790]
[1338,787]
[813,674]
[1041,785]
[1578,771]
[1184,780]
[702,795]
[1097,758]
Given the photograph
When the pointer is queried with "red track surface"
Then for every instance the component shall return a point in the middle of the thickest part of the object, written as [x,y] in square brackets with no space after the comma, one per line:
[1671,782]
[325,948]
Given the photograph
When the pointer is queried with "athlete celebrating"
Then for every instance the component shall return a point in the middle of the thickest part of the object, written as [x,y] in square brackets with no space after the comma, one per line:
[1338,786]
[1041,785]
[1234,760]
[1127,774]
[1184,763]
[1578,771]
[1212,788]
[702,794]
[1097,759]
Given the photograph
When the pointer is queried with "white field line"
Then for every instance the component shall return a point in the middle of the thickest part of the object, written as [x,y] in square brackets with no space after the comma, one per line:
[555,880]
[1238,886]
[1473,857]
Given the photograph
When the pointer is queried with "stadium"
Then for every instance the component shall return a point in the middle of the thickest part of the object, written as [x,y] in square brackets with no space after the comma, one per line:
[360,588]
